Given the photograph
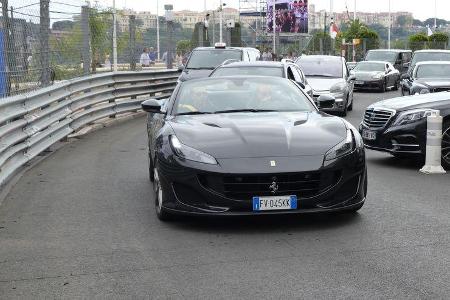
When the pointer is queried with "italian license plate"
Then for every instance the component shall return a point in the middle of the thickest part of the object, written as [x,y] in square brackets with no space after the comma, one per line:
[274,203]
[369,135]
[359,82]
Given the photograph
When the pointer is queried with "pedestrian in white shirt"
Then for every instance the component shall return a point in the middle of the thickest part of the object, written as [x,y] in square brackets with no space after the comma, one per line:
[145,59]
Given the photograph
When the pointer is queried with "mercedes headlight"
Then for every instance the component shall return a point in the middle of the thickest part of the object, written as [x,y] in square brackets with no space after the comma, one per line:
[378,76]
[343,148]
[412,116]
[189,153]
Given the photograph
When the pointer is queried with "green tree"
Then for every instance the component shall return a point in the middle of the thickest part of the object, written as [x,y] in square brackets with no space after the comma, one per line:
[418,41]
[438,40]
[404,21]
[184,46]
[99,26]
[368,38]
[63,25]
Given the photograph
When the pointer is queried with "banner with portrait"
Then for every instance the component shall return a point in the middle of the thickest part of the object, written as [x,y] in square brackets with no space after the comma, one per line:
[291,16]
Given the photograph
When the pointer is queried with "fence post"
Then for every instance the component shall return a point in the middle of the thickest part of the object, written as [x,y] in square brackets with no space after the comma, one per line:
[200,35]
[86,52]
[6,49]
[170,45]
[132,26]
[43,41]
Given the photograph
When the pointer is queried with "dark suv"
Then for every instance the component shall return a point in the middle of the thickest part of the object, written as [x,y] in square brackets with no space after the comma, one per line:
[205,59]
[400,59]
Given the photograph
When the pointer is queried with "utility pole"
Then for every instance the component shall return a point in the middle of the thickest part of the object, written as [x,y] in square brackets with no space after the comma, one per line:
[44,46]
[114,37]
[6,48]
[354,20]
[220,21]
[435,15]
[157,29]
[274,28]
[390,26]
[86,53]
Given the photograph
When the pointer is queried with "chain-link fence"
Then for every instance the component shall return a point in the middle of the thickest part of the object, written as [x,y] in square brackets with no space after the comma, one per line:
[43,42]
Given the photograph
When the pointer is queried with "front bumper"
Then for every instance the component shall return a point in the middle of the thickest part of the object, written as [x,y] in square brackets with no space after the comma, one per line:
[403,139]
[339,105]
[369,84]
[198,189]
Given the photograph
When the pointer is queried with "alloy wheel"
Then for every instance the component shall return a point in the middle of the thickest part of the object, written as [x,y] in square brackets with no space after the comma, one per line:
[158,190]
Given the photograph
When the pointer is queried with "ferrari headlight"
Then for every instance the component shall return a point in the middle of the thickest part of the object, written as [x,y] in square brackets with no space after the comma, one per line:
[412,116]
[189,153]
[378,76]
[343,148]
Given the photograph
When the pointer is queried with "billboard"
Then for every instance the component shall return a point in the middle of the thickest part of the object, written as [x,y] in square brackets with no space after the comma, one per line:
[291,16]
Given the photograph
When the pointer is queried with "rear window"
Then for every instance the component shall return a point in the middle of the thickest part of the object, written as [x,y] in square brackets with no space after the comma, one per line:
[210,59]
[430,56]
[321,66]
[370,67]
[256,71]
[433,71]
[388,56]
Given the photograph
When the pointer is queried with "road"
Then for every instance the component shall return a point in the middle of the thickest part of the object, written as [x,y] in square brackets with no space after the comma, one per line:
[81,224]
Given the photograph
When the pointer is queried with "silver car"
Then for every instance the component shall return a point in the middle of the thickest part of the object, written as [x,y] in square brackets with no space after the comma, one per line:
[329,75]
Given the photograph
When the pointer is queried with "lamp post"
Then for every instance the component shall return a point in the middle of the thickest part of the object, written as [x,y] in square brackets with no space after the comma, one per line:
[157,29]
[221,20]
[274,28]
[114,37]
[169,19]
[354,20]
[390,25]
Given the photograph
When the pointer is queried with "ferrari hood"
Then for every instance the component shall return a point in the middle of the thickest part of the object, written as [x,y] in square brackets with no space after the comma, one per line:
[272,134]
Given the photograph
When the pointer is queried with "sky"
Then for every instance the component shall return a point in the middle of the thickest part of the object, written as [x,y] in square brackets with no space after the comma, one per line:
[421,9]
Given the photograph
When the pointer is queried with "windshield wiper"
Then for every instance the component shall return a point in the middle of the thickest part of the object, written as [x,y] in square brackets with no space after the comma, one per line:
[201,68]
[322,75]
[243,110]
[194,113]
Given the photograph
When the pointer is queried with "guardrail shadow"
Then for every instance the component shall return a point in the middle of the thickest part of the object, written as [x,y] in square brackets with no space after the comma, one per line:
[268,223]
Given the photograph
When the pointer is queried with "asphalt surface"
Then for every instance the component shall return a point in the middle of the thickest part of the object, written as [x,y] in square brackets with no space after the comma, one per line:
[81,224]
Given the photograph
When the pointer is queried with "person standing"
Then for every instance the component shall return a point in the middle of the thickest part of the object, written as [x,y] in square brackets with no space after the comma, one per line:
[152,55]
[145,59]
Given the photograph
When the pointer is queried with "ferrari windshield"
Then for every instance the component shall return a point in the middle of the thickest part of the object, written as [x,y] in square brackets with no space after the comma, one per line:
[252,71]
[433,71]
[369,67]
[209,59]
[240,94]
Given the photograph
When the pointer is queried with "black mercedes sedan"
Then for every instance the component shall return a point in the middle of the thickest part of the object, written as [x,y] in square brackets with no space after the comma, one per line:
[399,125]
[251,145]
[427,77]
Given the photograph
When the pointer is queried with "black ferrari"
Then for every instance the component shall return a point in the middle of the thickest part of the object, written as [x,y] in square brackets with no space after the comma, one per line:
[251,145]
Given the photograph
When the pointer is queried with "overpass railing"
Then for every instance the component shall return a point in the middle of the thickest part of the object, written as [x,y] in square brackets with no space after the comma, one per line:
[31,123]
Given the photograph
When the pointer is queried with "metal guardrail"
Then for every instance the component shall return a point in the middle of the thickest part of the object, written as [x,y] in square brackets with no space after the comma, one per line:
[31,123]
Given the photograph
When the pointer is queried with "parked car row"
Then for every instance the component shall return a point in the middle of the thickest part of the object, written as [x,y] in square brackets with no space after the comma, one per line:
[399,125]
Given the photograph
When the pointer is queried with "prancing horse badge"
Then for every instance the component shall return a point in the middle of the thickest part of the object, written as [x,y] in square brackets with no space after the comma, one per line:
[273,163]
